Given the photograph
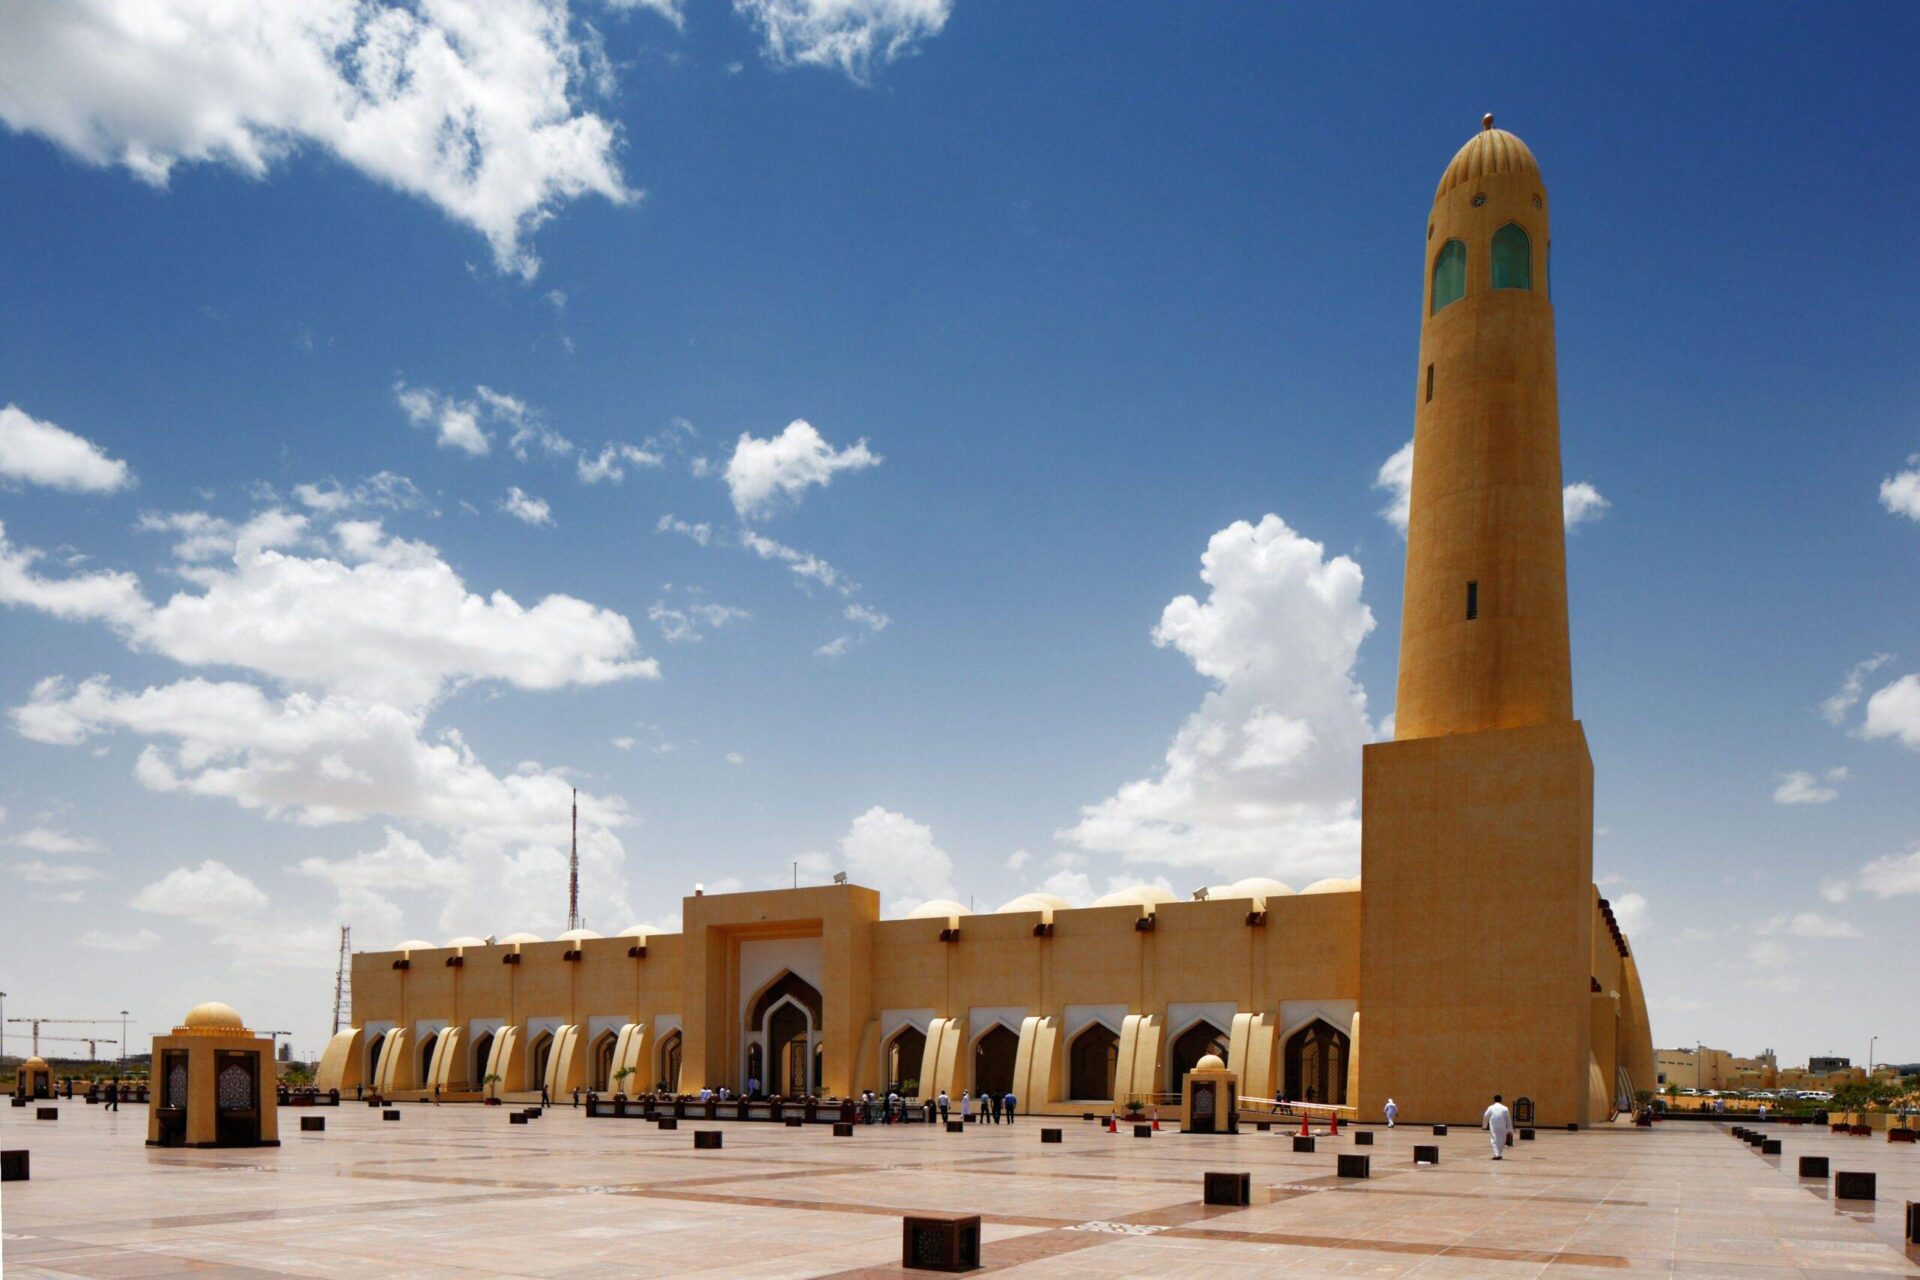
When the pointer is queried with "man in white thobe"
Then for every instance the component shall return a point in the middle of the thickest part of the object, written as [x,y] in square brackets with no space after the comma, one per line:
[1393,1112]
[1498,1122]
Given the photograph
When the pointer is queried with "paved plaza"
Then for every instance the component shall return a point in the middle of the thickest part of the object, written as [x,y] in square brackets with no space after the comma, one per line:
[460,1191]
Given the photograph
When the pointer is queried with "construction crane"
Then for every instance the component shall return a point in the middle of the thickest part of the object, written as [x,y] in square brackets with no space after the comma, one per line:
[275,1037]
[342,994]
[93,1044]
[84,1022]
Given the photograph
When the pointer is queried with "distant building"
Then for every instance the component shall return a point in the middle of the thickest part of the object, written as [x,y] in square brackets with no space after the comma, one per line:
[1826,1066]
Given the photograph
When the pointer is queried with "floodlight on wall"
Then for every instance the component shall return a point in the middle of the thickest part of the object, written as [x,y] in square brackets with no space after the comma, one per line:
[839,877]
[1200,894]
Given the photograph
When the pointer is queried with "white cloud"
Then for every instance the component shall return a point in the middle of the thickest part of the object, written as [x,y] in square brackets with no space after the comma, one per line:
[526,508]
[762,473]
[847,35]
[40,872]
[456,422]
[473,105]
[1894,712]
[383,618]
[685,623]
[1264,778]
[120,940]
[802,564]
[607,466]
[625,743]
[872,619]
[1396,477]
[891,852]
[834,648]
[1892,876]
[1900,493]
[1770,964]
[204,537]
[1808,924]
[1801,787]
[701,533]
[110,597]
[36,452]
[383,490]
[734,757]
[210,893]
[1835,709]
[50,840]
[1631,913]
[1018,859]
[1580,502]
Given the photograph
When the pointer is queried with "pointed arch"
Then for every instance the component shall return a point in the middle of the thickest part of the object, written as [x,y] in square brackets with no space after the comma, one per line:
[1200,1038]
[539,1051]
[600,1061]
[1449,275]
[905,1053]
[1512,258]
[1093,1059]
[669,1061]
[995,1052]
[1316,1063]
[479,1058]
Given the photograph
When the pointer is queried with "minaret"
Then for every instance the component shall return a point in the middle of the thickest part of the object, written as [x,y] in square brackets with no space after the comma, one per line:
[1478,910]
[1483,633]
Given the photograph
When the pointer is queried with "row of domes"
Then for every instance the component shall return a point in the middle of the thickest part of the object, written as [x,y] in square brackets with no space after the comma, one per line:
[1138,895]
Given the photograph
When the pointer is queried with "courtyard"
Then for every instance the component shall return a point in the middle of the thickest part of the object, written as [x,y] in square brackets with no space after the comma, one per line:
[449,1191]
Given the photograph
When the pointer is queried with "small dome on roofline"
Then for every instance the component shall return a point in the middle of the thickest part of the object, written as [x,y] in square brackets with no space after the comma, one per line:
[1034,902]
[417,944]
[35,1063]
[1261,887]
[637,931]
[467,940]
[575,935]
[1210,1062]
[1135,895]
[936,908]
[1333,885]
[212,1014]
[522,937]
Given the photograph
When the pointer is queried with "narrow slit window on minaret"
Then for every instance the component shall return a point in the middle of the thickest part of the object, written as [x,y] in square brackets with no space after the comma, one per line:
[1473,601]
[1429,382]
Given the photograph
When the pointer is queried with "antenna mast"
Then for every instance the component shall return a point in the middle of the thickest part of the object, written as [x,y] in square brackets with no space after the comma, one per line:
[342,994]
[573,868]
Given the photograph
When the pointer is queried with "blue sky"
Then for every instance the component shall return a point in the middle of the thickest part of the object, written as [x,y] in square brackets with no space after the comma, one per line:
[1092,285]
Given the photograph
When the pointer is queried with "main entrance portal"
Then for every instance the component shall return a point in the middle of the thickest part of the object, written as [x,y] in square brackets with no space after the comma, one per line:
[783,1031]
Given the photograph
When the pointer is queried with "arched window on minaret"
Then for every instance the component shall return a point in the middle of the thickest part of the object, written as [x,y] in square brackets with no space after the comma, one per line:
[1512,258]
[1449,274]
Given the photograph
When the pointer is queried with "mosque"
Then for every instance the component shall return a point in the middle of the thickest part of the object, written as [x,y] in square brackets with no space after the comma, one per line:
[1478,959]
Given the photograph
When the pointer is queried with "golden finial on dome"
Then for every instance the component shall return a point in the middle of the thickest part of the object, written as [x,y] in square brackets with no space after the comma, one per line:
[1486,121]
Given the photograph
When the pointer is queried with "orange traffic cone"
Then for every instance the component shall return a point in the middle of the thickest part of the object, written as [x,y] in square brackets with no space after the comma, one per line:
[1156,1119]
[1305,1132]
[1113,1126]
[1333,1125]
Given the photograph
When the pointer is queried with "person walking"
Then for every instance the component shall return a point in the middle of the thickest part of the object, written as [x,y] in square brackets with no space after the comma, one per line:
[993,1107]
[945,1104]
[1498,1122]
[546,1100]
[113,1095]
[1007,1104]
[966,1106]
[1393,1112]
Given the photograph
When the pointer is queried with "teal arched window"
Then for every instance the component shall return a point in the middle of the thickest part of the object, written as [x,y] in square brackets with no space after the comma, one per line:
[1512,258]
[1449,274]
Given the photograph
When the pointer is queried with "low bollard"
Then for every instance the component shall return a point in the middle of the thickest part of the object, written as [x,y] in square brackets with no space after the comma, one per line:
[706,1140]
[940,1242]
[1439,1131]
[313,1124]
[1051,1137]
[1854,1184]
[1426,1155]
[1770,1147]
[1354,1165]
[1913,1222]
[1143,1131]
[842,1130]
[1302,1146]
[1813,1166]
[668,1122]
[46,1113]
[1234,1189]
[390,1114]
[1263,1126]
[1526,1135]
[956,1126]
[14,1166]
[795,1122]
[1363,1137]
[518,1117]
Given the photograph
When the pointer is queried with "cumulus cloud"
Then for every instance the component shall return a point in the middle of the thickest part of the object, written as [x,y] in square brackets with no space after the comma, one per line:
[383,490]
[835,647]
[802,564]
[1580,502]
[52,840]
[455,422]
[701,533]
[36,452]
[472,105]
[849,36]
[1801,787]
[202,536]
[1631,913]
[209,893]
[1891,876]
[871,619]
[891,852]
[1894,712]
[1808,924]
[378,616]
[1900,493]
[1264,778]
[526,508]
[763,473]
[1844,699]
[612,461]
[50,873]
